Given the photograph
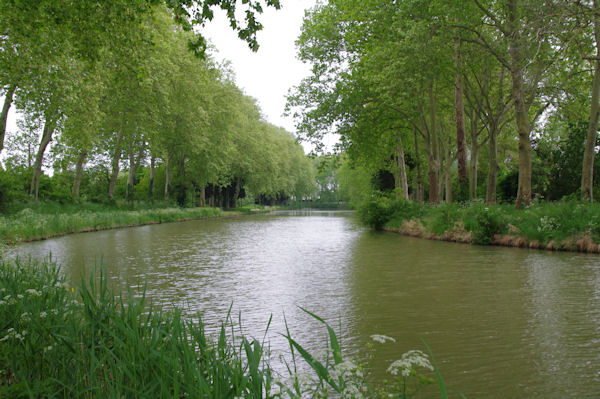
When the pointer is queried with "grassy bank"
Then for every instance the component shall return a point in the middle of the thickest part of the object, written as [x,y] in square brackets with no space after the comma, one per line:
[43,220]
[568,226]
[60,340]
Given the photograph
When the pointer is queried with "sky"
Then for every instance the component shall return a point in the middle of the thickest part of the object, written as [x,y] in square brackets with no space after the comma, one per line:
[268,74]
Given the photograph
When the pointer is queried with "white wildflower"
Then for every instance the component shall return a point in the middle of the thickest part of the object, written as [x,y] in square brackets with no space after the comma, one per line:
[343,369]
[13,334]
[20,296]
[382,339]
[33,292]
[43,315]
[409,362]
[48,348]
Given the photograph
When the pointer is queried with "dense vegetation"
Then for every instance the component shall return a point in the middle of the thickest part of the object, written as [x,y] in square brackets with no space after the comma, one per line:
[569,225]
[440,101]
[114,105]
[61,340]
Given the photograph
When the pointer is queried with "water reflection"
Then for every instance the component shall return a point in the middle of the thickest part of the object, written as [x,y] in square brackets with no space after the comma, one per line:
[501,322]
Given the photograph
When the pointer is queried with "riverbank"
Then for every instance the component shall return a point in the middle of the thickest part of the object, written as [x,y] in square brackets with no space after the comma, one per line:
[47,220]
[66,340]
[558,226]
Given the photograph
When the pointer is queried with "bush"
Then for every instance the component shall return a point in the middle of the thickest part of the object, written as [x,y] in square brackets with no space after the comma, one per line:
[443,218]
[375,212]
[488,222]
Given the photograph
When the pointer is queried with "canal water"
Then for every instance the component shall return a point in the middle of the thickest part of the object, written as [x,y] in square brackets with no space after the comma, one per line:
[501,322]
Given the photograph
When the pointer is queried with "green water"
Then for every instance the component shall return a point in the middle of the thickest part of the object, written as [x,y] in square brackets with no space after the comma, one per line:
[502,323]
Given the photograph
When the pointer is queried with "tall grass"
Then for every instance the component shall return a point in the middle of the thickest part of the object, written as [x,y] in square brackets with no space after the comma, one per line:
[58,340]
[40,223]
[61,341]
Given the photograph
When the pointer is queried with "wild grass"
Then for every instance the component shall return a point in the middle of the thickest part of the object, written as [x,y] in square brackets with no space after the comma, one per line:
[556,225]
[61,340]
[49,220]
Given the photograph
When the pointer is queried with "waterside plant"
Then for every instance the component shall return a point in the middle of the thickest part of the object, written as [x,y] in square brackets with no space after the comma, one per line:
[565,225]
[61,340]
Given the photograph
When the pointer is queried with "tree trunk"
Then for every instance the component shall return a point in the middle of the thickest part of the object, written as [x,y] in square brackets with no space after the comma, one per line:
[8,99]
[236,192]
[420,195]
[152,177]
[402,183]
[432,164]
[490,194]
[133,165]
[521,109]
[474,159]
[167,176]
[461,143]
[49,125]
[433,180]
[131,173]
[202,196]
[78,173]
[448,182]
[587,172]
[115,165]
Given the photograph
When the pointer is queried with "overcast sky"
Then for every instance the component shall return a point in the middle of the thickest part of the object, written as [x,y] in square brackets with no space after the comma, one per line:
[268,74]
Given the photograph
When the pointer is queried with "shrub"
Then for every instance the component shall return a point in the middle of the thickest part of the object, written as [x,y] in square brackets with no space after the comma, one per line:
[488,222]
[443,218]
[375,212]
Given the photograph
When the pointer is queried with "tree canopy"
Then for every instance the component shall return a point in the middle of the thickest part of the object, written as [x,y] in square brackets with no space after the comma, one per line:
[411,86]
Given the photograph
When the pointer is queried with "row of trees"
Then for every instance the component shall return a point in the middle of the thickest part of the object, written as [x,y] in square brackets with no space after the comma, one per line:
[123,88]
[437,91]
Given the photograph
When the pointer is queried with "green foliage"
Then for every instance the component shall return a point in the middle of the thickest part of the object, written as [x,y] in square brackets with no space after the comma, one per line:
[484,222]
[376,211]
[443,218]
[406,210]
[562,222]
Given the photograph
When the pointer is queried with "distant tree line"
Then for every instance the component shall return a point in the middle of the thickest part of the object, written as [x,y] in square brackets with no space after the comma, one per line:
[119,100]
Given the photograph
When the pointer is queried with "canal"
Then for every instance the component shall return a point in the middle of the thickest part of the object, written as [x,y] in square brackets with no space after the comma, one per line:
[502,322]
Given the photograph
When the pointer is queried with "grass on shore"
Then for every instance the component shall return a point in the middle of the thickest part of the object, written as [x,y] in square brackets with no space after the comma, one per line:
[44,220]
[57,340]
[568,225]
